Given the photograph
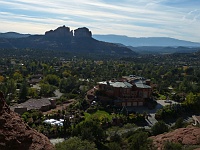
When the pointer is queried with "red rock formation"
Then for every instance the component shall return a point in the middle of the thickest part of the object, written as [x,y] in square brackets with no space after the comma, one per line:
[82,32]
[60,32]
[16,135]
[184,136]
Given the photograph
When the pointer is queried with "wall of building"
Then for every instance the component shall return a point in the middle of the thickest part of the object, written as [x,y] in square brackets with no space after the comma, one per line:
[20,110]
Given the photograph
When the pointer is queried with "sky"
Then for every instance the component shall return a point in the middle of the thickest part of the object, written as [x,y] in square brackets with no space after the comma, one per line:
[134,18]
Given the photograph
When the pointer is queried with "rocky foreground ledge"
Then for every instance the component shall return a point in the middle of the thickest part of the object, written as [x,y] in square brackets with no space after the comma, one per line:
[184,136]
[17,135]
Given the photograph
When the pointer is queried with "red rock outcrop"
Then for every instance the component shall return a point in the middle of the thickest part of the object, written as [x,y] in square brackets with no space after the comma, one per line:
[82,32]
[184,136]
[16,135]
[60,32]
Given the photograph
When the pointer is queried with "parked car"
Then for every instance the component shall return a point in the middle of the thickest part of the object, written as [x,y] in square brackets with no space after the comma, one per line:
[168,101]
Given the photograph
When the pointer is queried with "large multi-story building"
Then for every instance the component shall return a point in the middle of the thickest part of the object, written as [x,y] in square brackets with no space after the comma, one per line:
[128,91]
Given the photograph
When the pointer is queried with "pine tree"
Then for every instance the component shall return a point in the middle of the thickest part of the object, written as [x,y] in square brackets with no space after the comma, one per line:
[23,91]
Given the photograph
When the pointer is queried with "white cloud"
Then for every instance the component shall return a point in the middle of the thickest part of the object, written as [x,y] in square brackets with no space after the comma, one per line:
[126,17]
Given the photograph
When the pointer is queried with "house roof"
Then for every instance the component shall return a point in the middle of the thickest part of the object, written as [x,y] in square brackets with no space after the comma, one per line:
[34,104]
[140,84]
[122,84]
[117,84]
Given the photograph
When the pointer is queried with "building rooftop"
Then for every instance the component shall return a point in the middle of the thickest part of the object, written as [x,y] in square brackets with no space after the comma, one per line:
[33,104]
[138,83]
[141,84]
[117,84]
[122,84]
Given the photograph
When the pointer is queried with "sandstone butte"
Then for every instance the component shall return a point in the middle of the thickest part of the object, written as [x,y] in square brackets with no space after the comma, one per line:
[17,135]
[184,136]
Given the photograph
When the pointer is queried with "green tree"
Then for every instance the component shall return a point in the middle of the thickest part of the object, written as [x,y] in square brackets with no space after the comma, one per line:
[11,86]
[159,128]
[191,98]
[90,130]
[66,73]
[184,86]
[75,143]
[114,146]
[1,79]
[33,92]
[18,77]
[52,79]
[172,146]
[47,90]
[23,91]
[68,85]
[179,123]
[139,141]
[66,125]
[124,111]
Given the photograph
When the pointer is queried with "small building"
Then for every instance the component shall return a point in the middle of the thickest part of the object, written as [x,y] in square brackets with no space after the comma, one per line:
[34,79]
[43,104]
[20,110]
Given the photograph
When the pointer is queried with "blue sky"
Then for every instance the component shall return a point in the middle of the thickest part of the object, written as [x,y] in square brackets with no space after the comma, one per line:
[135,18]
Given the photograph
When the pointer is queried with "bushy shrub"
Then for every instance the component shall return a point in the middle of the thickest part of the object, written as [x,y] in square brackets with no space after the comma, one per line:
[159,128]
[172,146]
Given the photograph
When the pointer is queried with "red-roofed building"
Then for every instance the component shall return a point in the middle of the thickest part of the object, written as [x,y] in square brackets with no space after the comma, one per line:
[128,91]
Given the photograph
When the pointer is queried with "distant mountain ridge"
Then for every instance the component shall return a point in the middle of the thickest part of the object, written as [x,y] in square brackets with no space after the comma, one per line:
[164,50]
[13,35]
[81,41]
[146,41]
[78,41]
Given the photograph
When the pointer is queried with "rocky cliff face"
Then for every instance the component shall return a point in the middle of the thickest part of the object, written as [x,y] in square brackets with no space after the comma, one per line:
[82,33]
[64,32]
[16,135]
[60,32]
[184,136]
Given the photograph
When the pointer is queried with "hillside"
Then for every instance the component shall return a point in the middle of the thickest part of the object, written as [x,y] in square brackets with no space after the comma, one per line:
[77,41]
[16,135]
[13,35]
[163,50]
[185,136]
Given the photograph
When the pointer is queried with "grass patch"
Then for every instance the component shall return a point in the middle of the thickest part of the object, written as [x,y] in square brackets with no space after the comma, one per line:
[99,114]
[163,97]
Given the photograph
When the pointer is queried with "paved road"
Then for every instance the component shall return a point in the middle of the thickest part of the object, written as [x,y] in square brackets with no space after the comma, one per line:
[151,119]
[58,94]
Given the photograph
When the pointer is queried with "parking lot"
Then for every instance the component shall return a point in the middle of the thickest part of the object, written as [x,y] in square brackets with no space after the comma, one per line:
[164,103]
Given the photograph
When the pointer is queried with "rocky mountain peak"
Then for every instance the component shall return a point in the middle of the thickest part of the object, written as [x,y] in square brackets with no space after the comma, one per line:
[82,32]
[60,32]
[64,32]
[17,135]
